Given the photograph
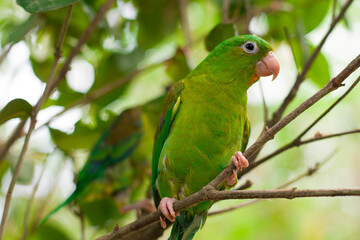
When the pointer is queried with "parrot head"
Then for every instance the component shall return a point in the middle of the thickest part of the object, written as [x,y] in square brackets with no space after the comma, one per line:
[244,58]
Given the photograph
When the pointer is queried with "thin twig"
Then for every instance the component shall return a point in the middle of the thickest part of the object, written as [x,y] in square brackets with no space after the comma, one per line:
[15,176]
[297,141]
[51,85]
[236,13]
[82,40]
[309,172]
[6,51]
[213,195]
[186,31]
[82,223]
[57,54]
[266,110]
[15,135]
[288,146]
[225,11]
[34,113]
[301,77]
[249,15]
[330,108]
[43,204]
[31,199]
[205,192]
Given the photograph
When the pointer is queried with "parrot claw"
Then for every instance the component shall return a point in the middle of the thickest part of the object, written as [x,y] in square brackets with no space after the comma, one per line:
[167,209]
[240,162]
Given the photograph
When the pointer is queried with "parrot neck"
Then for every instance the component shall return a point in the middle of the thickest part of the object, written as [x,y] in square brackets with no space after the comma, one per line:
[238,73]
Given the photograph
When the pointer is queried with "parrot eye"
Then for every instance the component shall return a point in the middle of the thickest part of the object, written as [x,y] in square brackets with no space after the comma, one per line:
[250,47]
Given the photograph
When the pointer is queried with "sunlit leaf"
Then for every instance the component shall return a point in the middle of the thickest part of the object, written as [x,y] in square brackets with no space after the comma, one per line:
[33,6]
[98,212]
[153,28]
[17,108]
[26,174]
[42,69]
[83,137]
[219,33]
[319,72]
[17,32]
[311,13]
[177,67]
[46,231]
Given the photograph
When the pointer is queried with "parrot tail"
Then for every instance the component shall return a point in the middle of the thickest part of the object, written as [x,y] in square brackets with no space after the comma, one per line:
[186,225]
[68,200]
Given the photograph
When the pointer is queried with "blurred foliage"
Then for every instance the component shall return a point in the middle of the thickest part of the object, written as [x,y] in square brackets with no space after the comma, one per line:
[33,6]
[136,34]
[17,108]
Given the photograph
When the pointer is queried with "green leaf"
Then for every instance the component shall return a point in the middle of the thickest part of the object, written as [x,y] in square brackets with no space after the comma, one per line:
[49,231]
[16,33]
[83,136]
[178,68]
[100,211]
[319,72]
[42,69]
[157,20]
[17,108]
[26,174]
[4,166]
[33,6]
[316,9]
[113,68]
[219,34]
[67,95]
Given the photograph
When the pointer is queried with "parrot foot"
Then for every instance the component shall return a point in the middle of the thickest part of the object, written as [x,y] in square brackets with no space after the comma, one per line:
[240,162]
[167,209]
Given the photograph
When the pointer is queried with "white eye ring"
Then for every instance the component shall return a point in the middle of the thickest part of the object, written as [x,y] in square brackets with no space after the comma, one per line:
[250,47]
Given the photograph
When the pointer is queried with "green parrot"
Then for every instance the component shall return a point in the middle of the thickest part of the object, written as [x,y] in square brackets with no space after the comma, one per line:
[115,145]
[204,124]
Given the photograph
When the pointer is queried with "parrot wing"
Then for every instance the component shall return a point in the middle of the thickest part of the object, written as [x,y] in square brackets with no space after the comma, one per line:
[171,107]
[246,134]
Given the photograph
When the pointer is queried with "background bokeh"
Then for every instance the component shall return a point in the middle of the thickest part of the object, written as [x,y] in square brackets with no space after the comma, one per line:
[149,37]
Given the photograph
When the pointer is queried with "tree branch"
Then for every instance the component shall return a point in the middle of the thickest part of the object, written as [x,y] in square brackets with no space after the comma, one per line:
[213,195]
[309,172]
[269,134]
[301,77]
[203,194]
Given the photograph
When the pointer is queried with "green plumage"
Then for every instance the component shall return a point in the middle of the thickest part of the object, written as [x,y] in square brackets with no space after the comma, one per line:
[204,123]
[115,145]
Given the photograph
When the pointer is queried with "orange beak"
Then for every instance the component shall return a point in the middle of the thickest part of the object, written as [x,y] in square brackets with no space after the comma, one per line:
[269,65]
